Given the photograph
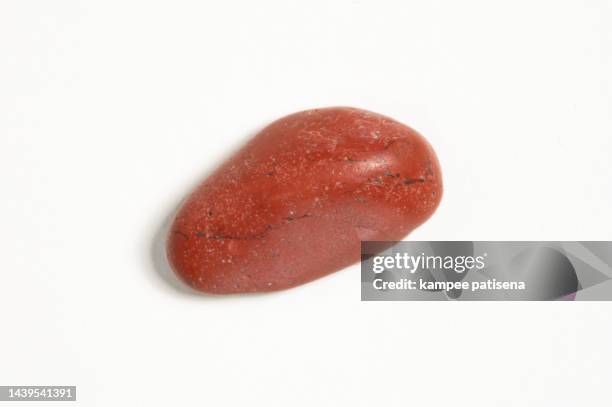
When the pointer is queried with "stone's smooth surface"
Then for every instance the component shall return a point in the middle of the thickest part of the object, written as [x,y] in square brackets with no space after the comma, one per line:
[295,202]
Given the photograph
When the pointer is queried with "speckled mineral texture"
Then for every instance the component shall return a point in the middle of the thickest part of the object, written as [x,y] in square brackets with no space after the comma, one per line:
[294,203]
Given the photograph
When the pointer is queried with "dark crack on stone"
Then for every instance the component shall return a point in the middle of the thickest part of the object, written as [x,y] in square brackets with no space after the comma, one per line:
[254,236]
[389,143]
[410,181]
[353,160]
[178,232]
[292,218]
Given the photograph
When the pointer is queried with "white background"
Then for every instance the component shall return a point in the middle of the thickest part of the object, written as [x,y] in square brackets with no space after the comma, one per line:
[111,111]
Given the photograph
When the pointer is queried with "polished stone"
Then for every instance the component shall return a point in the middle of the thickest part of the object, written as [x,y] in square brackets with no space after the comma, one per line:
[294,203]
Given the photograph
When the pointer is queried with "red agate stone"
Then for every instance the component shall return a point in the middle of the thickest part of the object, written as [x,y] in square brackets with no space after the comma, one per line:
[294,203]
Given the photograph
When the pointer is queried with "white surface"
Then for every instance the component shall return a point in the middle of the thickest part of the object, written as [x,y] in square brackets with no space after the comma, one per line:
[110,111]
